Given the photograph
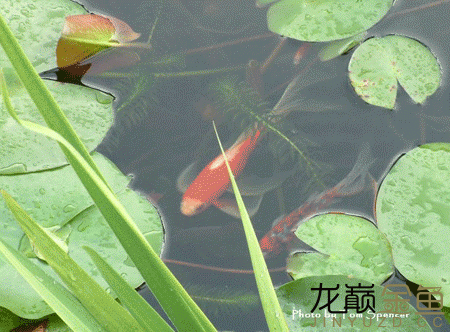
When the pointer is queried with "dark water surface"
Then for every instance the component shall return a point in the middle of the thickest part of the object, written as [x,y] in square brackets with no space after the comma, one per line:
[168,127]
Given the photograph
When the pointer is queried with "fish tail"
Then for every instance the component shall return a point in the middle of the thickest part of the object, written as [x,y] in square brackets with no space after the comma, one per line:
[359,177]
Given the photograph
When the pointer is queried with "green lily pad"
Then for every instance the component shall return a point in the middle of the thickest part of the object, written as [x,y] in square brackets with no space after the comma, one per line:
[57,200]
[325,20]
[296,298]
[89,111]
[413,206]
[378,63]
[23,16]
[347,245]
[338,47]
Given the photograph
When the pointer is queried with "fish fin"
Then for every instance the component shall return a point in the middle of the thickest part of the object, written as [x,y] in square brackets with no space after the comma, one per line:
[186,177]
[359,177]
[229,205]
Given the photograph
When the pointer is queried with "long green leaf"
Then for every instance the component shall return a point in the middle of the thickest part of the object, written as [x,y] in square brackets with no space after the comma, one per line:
[58,298]
[179,306]
[149,319]
[272,310]
[109,313]
[41,96]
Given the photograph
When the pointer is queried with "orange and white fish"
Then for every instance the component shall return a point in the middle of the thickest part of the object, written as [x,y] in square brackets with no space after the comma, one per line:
[275,241]
[212,185]
[213,180]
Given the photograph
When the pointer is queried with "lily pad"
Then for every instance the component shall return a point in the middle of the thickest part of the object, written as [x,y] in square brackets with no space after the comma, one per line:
[361,250]
[23,16]
[57,200]
[413,206]
[324,20]
[378,63]
[335,48]
[297,298]
[89,111]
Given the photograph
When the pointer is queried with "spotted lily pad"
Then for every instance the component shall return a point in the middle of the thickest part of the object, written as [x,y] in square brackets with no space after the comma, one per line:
[413,206]
[347,245]
[324,20]
[89,111]
[57,200]
[297,299]
[378,63]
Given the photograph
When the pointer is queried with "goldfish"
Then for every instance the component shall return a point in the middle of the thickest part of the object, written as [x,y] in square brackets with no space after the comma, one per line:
[213,180]
[299,55]
[212,185]
[282,233]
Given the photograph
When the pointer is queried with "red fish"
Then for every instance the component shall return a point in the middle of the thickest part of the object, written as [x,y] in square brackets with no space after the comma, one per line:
[298,56]
[274,242]
[213,180]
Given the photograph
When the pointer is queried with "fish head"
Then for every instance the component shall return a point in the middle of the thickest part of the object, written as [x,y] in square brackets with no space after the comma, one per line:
[191,206]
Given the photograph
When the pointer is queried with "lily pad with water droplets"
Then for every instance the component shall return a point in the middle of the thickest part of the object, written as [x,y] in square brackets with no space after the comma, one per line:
[324,20]
[57,200]
[297,299]
[413,206]
[378,63]
[89,111]
[347,245]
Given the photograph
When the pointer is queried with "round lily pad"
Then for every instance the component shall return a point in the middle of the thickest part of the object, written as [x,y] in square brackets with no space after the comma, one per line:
[324,20]
[413,206]
[378,63]
[57,200]
[347,245]
[89,111]
[297,299]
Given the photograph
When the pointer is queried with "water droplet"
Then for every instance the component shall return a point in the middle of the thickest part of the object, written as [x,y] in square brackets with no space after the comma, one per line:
[72,276]
[42,191]
[103,98]
[69,208]
[82,227]
[129,262]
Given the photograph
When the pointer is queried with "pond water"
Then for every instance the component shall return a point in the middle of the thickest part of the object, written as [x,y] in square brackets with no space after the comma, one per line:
[164,125]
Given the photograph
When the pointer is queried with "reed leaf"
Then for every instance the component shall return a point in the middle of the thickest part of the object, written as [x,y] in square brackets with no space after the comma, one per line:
[109,313]
[146,316]
[179,306]
[41,96]
[272,310]
[59,298]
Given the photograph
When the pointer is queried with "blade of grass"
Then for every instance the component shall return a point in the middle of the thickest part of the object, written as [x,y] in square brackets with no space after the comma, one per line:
[149,319]
[41,96]
[57,297]
[109,313]
[272,310]
[176,302]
